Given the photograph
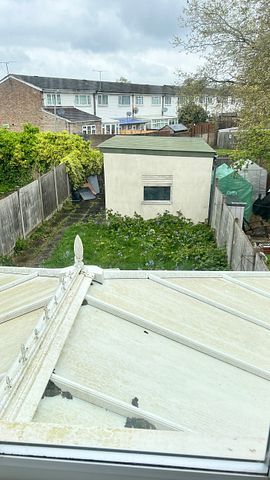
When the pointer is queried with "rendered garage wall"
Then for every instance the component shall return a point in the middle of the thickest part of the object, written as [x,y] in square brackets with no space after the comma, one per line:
[25,209]
[190,192]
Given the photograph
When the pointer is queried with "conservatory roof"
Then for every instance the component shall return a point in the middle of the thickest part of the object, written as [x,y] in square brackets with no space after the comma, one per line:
[167,362]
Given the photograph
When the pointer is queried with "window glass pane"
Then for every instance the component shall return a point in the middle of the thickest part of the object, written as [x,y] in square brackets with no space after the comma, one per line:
[156,100]
[139,100]
[102,99]
[168,100]
[124,100]
[157,193]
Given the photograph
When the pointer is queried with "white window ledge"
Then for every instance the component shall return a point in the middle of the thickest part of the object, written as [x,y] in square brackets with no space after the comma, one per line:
[156,202]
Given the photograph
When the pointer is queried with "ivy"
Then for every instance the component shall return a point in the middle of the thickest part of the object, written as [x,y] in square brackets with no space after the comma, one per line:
[26,154]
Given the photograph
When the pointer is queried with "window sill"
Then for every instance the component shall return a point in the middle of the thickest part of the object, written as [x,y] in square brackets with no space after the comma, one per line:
[156,202]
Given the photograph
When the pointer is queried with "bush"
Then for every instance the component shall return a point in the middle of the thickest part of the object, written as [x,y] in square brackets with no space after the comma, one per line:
[26,154]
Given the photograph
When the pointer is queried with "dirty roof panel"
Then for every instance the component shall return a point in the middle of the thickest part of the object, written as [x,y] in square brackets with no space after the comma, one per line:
[175,146]
[186,353]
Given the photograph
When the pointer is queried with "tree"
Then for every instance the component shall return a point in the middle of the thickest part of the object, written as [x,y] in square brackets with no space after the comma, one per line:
[192,113]
[233,36]
[122,80]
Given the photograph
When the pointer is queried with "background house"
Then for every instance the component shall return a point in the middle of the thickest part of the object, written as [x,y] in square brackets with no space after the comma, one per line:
[22,102]
[150,175]
[118,104]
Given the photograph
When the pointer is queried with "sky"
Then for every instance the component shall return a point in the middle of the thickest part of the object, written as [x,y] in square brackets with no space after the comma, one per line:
[74,38]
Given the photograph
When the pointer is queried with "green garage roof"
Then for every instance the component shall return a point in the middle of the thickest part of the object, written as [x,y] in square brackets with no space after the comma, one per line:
[175,146]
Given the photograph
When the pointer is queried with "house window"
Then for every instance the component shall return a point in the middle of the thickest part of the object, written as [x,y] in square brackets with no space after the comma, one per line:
[156,100]
[156,193]
[168,100]
[89,129]
[53,99]
[82,100]
[139,100]
[124,100]
[209,100]
[102,100]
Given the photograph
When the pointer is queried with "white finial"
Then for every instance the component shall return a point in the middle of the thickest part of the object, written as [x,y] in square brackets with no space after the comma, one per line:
[78,251]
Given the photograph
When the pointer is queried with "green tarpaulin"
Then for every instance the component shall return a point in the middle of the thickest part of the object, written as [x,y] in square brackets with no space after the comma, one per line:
[230,183]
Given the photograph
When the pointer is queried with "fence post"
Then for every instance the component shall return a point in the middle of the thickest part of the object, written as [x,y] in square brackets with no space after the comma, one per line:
[41,198]
[21,213]
[232,242]
[55,187]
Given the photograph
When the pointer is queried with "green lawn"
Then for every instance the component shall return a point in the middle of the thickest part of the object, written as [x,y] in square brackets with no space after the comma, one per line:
[166,242]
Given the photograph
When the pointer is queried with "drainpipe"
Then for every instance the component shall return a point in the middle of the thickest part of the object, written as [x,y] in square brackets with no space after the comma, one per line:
[94,103]
[162,105]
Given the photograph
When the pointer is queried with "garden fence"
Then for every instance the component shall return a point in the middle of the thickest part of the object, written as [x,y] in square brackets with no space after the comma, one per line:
[240,252]
[28,207]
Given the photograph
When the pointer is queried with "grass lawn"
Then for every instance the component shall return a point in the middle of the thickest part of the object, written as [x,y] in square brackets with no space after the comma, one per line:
[166,242]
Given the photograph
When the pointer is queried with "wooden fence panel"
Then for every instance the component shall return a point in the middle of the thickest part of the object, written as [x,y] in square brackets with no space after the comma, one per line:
[240,252]
[25,209]
[48,194]
[10,223]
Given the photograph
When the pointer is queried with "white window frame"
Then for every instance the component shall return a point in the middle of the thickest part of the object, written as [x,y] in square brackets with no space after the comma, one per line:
[156,100]
[139,100]
[157,181]
[120,100]
[89,129]
[103,100]
[110,128]
[167,100]
[41,460]
[53,99]
[79,100]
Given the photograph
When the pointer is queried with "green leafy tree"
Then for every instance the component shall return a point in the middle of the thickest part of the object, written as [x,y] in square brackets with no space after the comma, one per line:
[191,113]
[253,144]
[233,36]
[122,80]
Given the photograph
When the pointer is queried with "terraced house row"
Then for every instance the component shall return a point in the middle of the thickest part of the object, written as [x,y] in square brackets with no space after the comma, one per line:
[91,107]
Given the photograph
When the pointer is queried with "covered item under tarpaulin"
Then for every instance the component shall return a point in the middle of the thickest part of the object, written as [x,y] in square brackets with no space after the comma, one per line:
[89,193]
[231,183]
[257,176]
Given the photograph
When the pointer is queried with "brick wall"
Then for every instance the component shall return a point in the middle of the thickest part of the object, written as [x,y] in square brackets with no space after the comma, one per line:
[53,123]
[19,104]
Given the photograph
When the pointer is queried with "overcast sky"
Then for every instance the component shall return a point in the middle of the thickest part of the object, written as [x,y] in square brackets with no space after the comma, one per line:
[72,38]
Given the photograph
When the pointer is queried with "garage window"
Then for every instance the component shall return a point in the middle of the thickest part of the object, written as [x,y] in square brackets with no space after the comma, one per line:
[156,193]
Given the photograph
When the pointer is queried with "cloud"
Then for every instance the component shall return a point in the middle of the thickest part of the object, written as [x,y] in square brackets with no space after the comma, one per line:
[67,38]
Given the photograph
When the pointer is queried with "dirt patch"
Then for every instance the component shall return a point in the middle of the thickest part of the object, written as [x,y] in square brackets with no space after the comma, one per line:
[43,240]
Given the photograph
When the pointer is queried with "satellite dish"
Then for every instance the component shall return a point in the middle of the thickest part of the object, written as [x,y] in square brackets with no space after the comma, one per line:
[129,114]
[165,109]
[135,110]
[61,111]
